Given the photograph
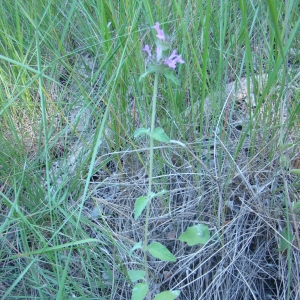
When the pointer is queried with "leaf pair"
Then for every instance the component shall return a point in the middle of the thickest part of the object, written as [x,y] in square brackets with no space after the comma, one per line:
[161,70]
[140,290]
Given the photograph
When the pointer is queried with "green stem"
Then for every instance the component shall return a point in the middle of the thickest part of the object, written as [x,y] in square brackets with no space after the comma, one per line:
[154,97]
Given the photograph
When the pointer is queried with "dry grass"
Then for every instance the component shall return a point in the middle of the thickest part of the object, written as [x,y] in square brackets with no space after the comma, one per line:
[242,260]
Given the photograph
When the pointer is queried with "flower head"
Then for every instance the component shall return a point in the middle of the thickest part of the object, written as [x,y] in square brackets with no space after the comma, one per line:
[173,60]
[160,33]
[162,45]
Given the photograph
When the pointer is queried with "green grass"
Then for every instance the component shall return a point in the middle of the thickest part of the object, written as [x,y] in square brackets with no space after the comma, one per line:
[70,102]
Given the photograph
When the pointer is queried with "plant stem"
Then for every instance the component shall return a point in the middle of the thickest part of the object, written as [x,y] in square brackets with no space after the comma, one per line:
[154,97]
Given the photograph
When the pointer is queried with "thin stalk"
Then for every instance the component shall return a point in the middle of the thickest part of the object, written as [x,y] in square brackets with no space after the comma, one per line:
[154,98]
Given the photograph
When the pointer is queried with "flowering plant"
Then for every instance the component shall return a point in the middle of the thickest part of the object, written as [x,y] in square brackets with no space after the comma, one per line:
[160,63]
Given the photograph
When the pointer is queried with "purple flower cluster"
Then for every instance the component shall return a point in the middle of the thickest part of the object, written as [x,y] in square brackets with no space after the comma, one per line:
[173,59]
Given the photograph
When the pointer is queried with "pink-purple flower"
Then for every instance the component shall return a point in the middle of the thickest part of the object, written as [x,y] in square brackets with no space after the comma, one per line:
[162,45]
[173,60]
[160,33]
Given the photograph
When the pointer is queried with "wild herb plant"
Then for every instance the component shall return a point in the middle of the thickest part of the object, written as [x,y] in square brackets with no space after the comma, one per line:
[159,65]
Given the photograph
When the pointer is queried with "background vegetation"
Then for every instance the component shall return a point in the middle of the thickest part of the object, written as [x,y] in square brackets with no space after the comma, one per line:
[70,168]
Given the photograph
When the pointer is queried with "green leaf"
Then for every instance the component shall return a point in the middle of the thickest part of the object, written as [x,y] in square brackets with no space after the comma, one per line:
[171,76]
[160,135]
[161,252]
[140,204]
[150,70]
[286,240]
[198,234]
[136,246]
[139,291]
[141,131]
[167,295]
[136,275]
[295,171]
